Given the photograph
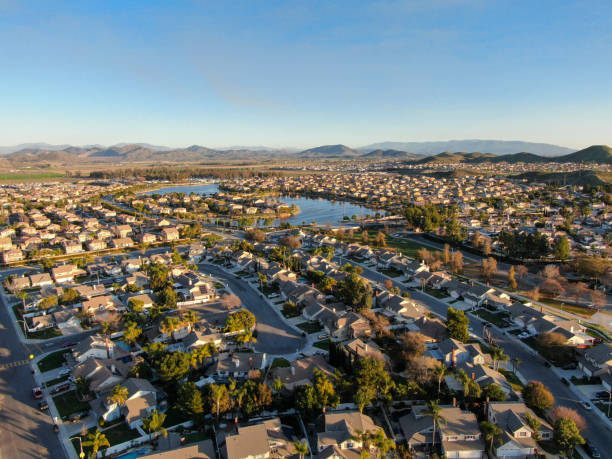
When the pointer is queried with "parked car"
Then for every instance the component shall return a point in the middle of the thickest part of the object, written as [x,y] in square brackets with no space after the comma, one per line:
[64,372]
[565,381]
[570,366]
[591,450]
[587,406]
[37,392]
[75,417]
[61,388]
[548,365]
[69,344]
[43,405]
[602,394]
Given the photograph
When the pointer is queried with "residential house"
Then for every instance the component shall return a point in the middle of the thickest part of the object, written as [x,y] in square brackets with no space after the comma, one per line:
[301,371]
[455,352]
[238,365]
[342,429]
[596,361]
[259,441]
[356,348]
[517,435]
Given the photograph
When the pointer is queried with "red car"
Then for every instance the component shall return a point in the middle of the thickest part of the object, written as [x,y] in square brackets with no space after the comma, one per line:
[37,392]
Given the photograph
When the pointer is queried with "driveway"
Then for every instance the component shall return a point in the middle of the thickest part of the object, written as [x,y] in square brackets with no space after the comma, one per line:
[274,335]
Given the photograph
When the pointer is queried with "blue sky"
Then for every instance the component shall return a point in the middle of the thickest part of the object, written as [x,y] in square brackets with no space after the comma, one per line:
[305,73]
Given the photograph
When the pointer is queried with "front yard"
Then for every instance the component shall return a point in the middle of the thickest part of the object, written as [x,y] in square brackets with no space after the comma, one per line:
[310,327]
[494,318]
[52,361]
[68,404]
[323,344]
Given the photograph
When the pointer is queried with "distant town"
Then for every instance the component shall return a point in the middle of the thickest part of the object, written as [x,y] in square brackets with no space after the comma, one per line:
[452,305]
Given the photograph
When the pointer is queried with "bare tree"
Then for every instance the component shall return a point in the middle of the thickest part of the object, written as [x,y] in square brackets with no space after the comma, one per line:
[488,268]
[230,301]
[521,271]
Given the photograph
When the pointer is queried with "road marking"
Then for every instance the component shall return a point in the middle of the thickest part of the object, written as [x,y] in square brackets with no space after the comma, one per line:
[17,363]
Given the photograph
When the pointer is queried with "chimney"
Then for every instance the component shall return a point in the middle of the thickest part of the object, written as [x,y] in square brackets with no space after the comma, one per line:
[454,401]
[292,370]
[251,363]
[237,362]
[365,347]
[473,376]
[453,357]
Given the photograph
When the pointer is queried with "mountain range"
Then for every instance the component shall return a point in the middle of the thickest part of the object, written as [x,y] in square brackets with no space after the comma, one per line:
[497,147]
[139,152]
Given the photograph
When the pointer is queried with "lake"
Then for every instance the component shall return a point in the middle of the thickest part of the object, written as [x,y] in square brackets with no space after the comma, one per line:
[319,210]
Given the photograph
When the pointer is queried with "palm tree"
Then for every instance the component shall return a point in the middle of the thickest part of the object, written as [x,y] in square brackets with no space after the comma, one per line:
[515,364]
[154,424]
[439,371]
[434,410]
[82,387]
[462,377]
[301,448]
[491,432]
[105,328]
[96,440]
[278,384]
[246,338]
[199,354]
[22,296]
[382,443]
[119,395]
[365,439]
[498,356]
[217,392]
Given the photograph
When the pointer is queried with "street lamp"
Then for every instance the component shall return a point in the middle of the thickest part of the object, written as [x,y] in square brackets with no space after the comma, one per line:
[81,454]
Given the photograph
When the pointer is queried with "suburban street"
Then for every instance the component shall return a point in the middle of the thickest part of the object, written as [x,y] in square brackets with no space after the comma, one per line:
[532,366]
[274,335]
[25,431]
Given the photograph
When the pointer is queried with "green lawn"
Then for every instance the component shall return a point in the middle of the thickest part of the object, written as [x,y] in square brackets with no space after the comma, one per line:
[21,177]
[53,382]
[495,319]
[68,404]
[120,433]
[47,333]
[52,361]
[280,362]
[290,311]
[435,293]
[174,416]
[391,272]
[516,383]
[323,344]
[310,327]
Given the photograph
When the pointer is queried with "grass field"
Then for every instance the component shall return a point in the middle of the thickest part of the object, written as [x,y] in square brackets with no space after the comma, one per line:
[20,177]
[323,344]
[310,327]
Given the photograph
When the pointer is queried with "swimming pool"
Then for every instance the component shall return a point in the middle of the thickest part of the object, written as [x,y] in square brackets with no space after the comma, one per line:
[134,454]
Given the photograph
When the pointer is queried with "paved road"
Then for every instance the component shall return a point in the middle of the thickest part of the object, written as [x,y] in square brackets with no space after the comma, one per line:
[25,432]
[532,367]
[274,336]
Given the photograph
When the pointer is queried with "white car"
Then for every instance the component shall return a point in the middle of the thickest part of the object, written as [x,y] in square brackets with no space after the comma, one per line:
[587,406]
[64,372]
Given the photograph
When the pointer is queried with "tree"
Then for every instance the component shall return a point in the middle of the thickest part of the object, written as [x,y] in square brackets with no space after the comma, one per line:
[219,398]
[229,301]
[534,293]
[494,393]
[446,254]
[434,410]
[491,433]
[96,440]
[22,295]
[456,262]
[498,356]
[457,324]
[324,390]
[380,240]
[365,237]
[551,287]
[356,292]
[291,242]
[301,448]
[537,396]
[372,381]
[598,298]
[521,271]
[593,266]
[173,366]
[565,412]
[534,424]
[413,344]
[131,332]
[512,284]
[439,371]
[168,298]
[154,424]
[242,320]
[383,444]
[119,395]
[488,268]
[567,435]
[68,296]
[561,248]
[189,399]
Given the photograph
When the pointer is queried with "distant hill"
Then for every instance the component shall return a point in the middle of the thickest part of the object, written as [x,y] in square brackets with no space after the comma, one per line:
[497,147]
[390,154]
[594,154]
[584,177]
[448,157]
[330,151]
